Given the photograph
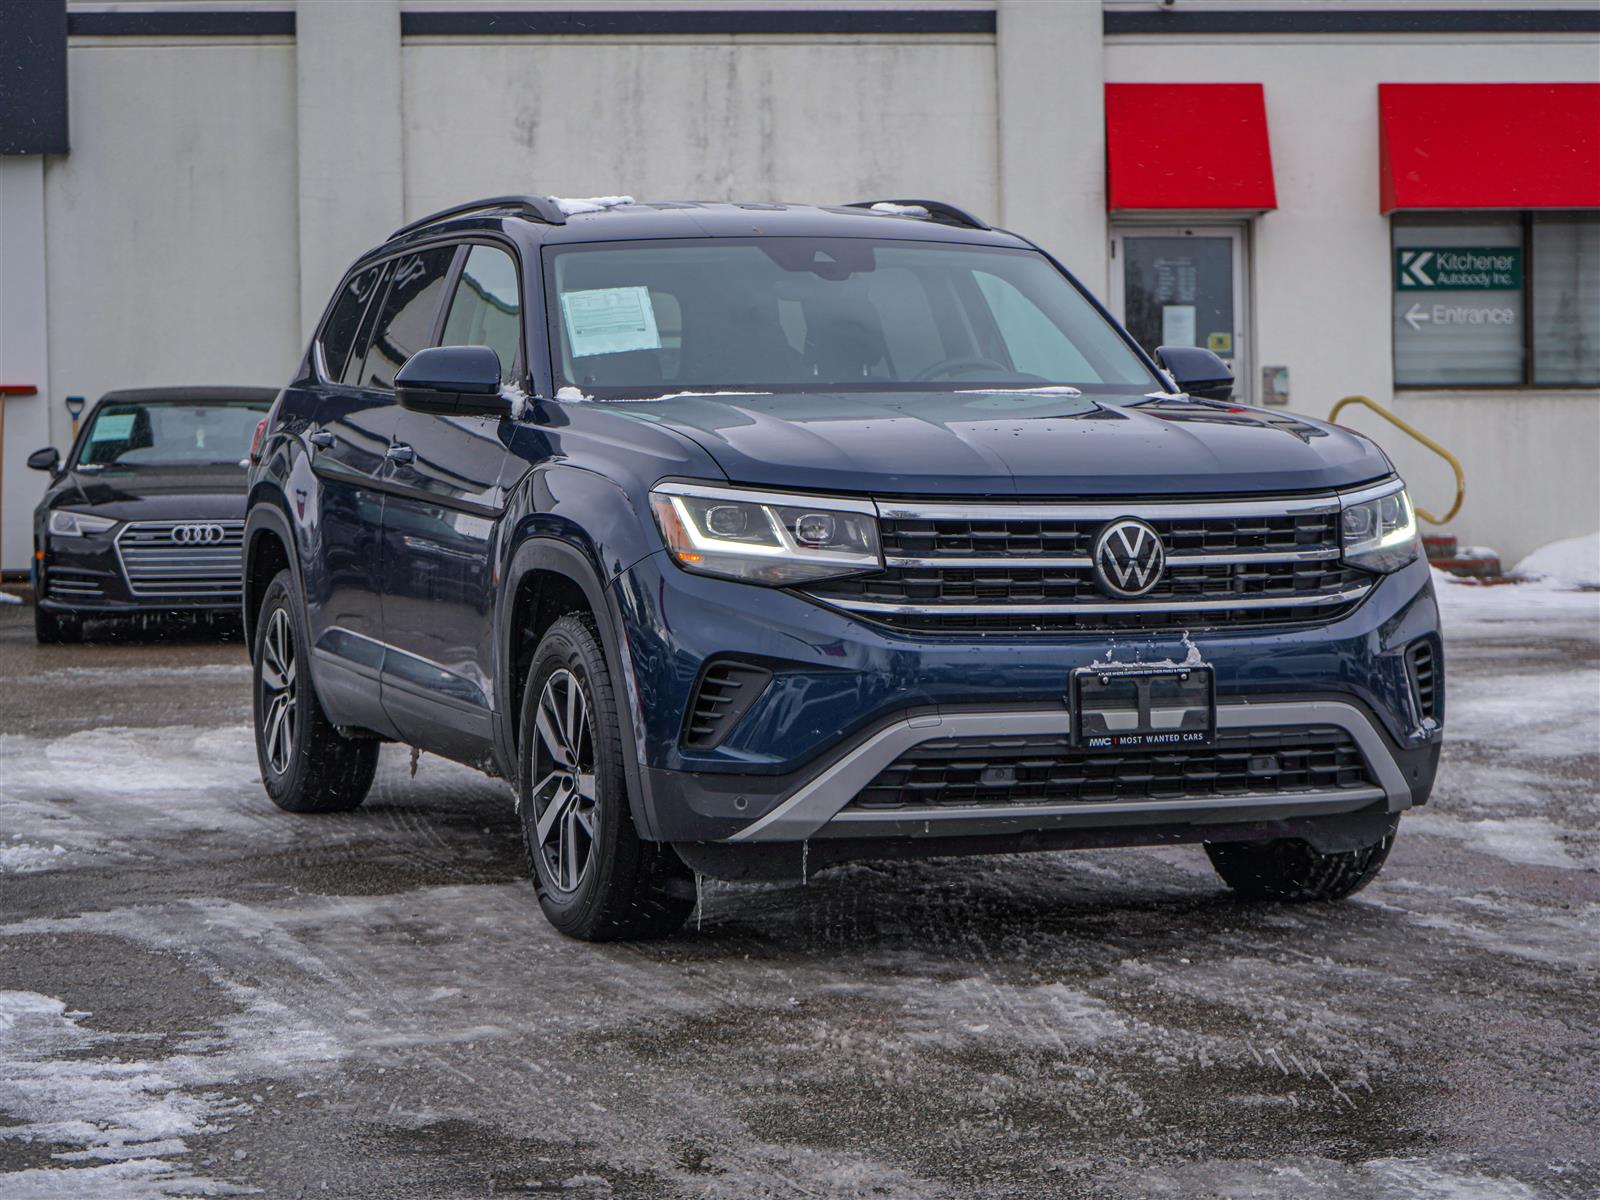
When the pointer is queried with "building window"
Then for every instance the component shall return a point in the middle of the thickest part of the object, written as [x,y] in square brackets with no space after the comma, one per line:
[1497,300]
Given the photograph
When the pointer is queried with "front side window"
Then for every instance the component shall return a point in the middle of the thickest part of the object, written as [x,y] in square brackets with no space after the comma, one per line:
[486,308]
[1497,299]
[405,322]
[825,314]
[160,434]
[339,331]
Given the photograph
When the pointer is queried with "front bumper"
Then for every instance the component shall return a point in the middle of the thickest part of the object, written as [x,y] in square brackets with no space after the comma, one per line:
[848,697]
[86,576]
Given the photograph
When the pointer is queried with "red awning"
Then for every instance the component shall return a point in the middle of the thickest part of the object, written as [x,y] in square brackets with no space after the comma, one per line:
[1489,145]
[1189,146]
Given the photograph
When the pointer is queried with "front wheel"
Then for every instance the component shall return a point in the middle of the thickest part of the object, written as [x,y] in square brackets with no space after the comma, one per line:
[1291,870]
[596,878]
[306,764]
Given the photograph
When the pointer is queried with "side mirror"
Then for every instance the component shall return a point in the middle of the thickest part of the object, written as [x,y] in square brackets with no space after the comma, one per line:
[1198,372]
[452,381]
[47,459]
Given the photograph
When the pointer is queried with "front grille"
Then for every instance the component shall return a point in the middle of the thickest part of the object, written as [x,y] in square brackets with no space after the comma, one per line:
[953,568]
[1002,771]
[160,566]
[1422,660]
[726,692]
[64,583]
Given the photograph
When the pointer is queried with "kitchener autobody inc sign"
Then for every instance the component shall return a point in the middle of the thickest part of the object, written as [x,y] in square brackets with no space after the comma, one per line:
[1448,299]
[1459,269]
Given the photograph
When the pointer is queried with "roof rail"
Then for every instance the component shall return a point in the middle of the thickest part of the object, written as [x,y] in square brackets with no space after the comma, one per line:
[536,208]
[938,210]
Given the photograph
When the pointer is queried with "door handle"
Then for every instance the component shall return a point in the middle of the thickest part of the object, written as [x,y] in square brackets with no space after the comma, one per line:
[321,439]
[401,453]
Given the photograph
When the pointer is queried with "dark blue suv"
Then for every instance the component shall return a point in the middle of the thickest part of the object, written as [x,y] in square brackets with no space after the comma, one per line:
[748,539]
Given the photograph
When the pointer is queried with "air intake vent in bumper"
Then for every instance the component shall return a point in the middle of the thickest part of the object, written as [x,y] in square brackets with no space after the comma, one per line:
[726,692]
[1422,659]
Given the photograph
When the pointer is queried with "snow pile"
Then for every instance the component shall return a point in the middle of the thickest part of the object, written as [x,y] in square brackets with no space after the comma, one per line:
[517,398]
[21,858]
[901,210]
[8,598]
[1572,563]
[590,204]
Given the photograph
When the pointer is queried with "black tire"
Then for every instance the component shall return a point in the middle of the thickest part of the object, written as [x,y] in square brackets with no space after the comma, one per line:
[1290,870]
[50,628]
[318,770]
[596,878]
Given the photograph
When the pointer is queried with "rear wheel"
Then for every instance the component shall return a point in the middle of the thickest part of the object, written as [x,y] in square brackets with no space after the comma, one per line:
[596,878]
[1292,870]
[306,764]
[52,627]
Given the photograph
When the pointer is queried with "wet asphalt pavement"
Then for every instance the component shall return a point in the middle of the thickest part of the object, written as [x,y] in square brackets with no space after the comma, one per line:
[200,994]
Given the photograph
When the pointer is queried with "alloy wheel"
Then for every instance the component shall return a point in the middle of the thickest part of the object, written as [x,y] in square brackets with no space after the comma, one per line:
[279,680]
[564,809]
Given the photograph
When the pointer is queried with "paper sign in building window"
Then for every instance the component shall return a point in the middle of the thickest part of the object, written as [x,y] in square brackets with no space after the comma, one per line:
[610,321]
[1177,324]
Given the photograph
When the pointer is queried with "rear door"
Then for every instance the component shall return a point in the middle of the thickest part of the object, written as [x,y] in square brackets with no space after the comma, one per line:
[444,496]
[350,449]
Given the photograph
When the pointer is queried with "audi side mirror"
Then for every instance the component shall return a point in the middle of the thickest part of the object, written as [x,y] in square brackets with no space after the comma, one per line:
[48,459]
[1197,371]
[452,381]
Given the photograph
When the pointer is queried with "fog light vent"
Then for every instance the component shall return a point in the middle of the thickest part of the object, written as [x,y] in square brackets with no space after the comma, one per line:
[726,692]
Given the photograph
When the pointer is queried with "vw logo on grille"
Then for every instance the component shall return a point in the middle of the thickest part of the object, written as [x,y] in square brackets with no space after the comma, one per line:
[1128,558]
[198,535]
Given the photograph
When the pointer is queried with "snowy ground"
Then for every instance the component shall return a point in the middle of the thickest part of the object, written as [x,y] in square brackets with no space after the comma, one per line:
[200,995]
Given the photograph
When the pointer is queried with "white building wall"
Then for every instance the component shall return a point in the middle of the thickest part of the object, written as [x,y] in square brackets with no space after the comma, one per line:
[171,227]
[217,187]
[1323,273]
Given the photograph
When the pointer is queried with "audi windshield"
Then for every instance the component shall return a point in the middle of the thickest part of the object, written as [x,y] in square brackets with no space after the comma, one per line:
[631,319]
[167,434]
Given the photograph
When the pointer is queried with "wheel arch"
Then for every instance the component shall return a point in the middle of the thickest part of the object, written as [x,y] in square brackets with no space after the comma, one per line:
[546,578]
[269,547]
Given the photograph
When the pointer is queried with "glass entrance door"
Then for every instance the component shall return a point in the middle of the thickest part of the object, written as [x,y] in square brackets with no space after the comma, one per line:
[1183,285]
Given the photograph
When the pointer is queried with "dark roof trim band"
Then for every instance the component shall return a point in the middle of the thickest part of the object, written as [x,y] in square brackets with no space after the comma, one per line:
[543,22]
[1393,20]
[192,23]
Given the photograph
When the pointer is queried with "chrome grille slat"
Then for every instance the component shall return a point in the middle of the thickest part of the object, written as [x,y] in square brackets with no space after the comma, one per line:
[157,567]
[1027,567]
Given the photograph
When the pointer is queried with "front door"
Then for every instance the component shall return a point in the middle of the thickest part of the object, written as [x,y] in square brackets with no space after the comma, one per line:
[1184,285]
[443,498]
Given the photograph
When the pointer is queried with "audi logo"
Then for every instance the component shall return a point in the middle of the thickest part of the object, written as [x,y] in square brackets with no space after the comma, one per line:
[198,535]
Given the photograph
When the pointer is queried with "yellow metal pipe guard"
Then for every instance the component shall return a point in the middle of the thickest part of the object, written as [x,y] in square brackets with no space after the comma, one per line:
[1455,463]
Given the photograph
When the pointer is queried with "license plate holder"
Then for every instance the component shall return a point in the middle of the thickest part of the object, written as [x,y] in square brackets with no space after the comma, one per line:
[1149,708]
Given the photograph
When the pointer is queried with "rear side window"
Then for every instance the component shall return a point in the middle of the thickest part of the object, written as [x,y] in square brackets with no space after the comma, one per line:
[405,323]
[339,331]
[485,309]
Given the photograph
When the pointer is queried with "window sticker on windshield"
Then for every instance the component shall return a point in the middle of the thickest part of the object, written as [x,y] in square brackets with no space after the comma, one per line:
[113,427]
[610,321]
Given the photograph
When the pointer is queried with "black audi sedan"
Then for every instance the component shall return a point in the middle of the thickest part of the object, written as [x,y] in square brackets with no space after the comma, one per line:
[146,515]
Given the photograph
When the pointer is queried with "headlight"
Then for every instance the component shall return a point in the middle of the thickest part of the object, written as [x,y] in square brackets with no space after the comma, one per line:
[1378,528]
[764,537]
[66,523]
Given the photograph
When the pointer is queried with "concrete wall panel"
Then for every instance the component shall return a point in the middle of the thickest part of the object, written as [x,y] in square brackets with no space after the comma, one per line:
[809,121]
[171,227]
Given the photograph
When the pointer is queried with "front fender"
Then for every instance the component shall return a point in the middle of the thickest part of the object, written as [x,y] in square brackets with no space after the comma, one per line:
[583,527]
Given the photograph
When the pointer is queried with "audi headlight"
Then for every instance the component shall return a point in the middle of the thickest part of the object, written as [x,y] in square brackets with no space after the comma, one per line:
[1378,528]
[763,537]
[66,523]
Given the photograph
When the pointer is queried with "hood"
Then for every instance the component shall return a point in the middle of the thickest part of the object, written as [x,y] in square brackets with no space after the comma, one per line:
[155,493]
[1014,443]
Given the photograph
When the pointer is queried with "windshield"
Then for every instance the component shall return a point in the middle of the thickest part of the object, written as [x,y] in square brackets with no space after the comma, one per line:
[825,314]
[161,434]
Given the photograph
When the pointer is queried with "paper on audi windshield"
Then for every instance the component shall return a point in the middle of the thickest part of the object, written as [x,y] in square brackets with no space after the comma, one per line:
[610,321]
